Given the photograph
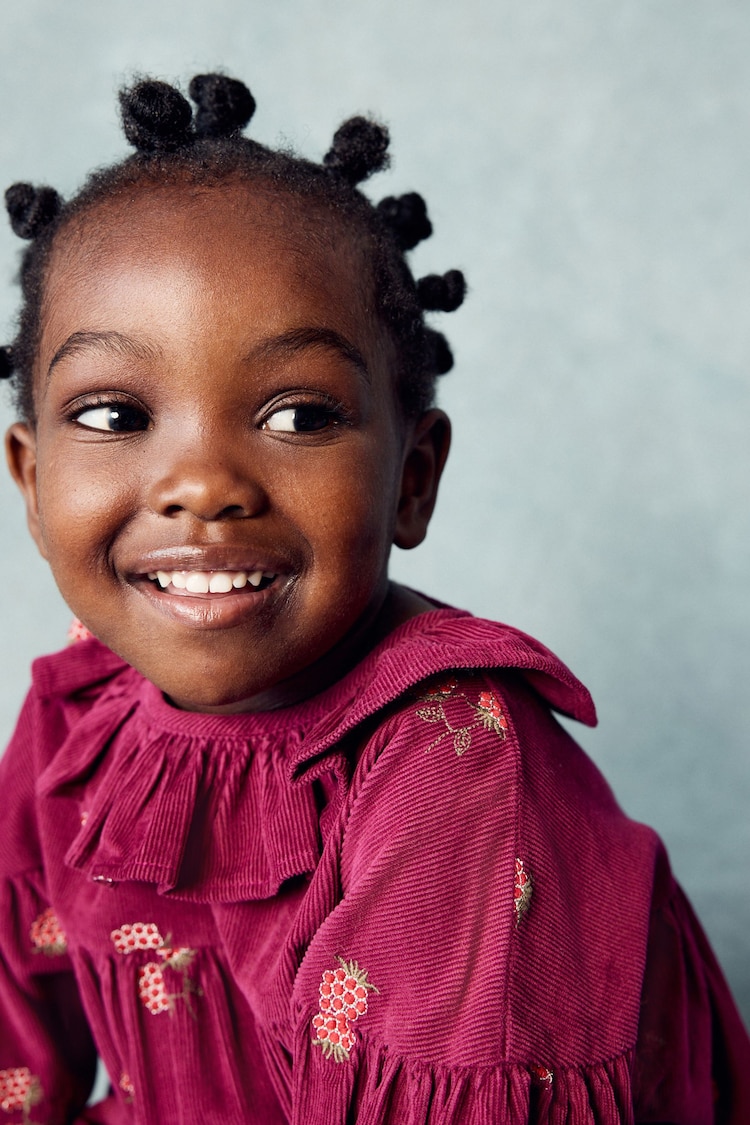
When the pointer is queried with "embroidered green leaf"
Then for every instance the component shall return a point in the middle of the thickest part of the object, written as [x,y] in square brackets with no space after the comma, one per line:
[462,740]
[432,714]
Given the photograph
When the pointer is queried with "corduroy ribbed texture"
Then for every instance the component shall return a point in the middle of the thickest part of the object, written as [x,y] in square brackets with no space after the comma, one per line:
[181,890]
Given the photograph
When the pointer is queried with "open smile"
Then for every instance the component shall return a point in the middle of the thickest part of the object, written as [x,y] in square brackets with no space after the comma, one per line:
[212,599]
[211,587]
[191,582]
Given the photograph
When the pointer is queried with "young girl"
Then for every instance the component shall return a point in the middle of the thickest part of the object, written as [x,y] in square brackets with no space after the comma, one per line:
[285,842]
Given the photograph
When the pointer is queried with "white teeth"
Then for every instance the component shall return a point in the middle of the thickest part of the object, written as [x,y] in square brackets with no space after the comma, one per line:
[210,582]
[197,582]
[220,583]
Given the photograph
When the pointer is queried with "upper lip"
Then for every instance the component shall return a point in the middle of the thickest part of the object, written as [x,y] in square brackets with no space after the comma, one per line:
[209,558]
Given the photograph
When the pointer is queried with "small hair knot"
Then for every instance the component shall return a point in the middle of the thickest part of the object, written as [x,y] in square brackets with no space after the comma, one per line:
[156,117]
[360,147]
[406,215]
[31,208]
[441,293]
[7,366]
[224,105]
[441,357]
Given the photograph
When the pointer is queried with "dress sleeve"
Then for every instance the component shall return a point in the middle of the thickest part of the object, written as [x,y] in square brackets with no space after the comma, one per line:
[406,993]
[47,1056]
[693,1055]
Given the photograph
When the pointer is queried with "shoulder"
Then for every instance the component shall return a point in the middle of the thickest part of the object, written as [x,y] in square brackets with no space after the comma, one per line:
[485,868]
[65,688]
[432,644]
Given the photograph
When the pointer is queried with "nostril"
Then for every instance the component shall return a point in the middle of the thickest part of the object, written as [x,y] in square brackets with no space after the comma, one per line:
[229,512]
[206,490]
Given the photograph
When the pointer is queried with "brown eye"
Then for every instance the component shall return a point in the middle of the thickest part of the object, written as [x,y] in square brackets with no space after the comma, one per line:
[301,419]
[113,418]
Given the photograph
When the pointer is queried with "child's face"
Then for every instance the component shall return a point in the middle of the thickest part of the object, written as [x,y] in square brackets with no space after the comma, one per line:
[214,400]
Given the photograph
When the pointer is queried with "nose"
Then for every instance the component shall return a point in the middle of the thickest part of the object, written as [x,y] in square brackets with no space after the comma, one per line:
[202,477]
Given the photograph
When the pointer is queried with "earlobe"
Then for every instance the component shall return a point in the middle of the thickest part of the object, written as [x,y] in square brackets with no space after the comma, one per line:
[20,451]
[423,467]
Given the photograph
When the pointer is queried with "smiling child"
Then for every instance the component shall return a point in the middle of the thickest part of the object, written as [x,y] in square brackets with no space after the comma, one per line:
[286,842]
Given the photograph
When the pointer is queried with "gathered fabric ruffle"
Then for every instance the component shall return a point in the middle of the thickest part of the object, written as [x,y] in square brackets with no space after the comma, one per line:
[205,814]
[219,808]
[376,1088]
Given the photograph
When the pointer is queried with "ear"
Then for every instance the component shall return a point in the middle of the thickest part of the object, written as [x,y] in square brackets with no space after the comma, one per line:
[423,466]
[20,450]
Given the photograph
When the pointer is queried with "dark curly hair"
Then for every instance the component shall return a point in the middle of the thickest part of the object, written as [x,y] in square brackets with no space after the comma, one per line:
[206,147]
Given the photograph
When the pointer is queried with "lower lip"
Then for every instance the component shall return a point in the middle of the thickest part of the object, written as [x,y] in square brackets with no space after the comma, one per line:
[211,611]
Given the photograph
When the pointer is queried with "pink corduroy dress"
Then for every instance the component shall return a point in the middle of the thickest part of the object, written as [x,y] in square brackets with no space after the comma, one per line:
[409,900]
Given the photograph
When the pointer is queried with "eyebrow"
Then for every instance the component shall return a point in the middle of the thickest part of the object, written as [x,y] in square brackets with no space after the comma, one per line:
[111,343]
[296,340]
[300,339]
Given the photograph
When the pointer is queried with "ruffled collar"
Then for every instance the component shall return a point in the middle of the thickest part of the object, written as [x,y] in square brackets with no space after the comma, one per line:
[219,808]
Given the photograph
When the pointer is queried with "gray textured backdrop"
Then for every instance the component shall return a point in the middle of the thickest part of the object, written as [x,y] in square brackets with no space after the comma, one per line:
[588,165]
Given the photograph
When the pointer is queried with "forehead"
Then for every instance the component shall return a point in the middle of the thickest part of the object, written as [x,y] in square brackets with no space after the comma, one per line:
[234,242]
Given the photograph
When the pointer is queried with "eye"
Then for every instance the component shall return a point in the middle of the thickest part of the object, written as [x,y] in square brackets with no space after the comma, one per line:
[113,418]
[307,419]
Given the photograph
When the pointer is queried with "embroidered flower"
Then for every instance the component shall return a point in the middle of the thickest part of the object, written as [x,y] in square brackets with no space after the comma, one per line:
[488,711]
[152,983]
[77,631]
[19,1089]
[343,999]
[47,935]
[127,1087]
[522,888]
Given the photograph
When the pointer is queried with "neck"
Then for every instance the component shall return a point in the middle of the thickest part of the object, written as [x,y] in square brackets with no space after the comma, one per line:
[396,606]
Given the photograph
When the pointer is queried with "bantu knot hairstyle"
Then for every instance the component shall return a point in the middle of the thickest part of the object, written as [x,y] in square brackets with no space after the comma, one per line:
[360,147]
[6,363]
[406,215]
[31,208]
[205,147]
[442,293]
[225,106]
[156,117]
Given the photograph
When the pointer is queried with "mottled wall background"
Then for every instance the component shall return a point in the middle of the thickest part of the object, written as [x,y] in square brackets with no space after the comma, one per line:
[588,165]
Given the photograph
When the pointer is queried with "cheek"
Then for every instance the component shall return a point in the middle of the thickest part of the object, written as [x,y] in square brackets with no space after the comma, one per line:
[349,512]
[77,509]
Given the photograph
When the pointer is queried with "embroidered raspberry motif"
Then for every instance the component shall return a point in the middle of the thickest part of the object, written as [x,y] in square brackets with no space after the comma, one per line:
[442,689]
[77,631]
[127,1087]
[19,1089]
[488,711]
[137,935]
[152,989]
[542,1075]
[491,713]
[343,999]
[522,888]
[47,935]
[152,983]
